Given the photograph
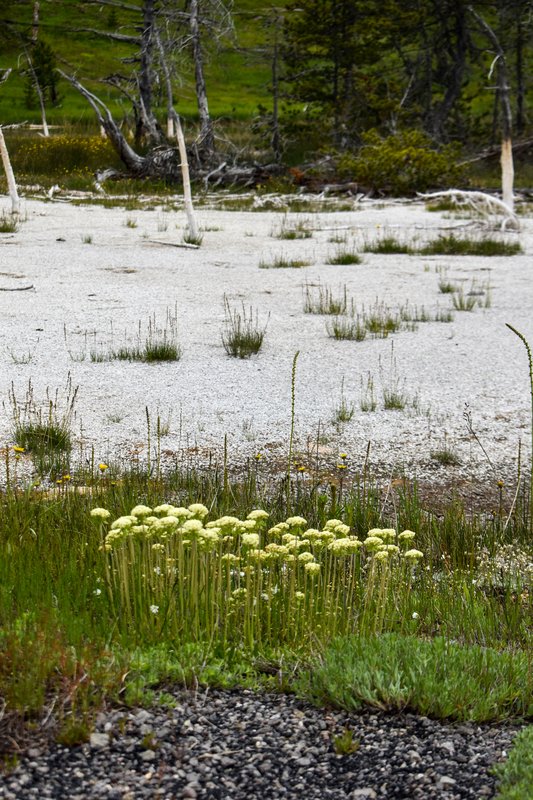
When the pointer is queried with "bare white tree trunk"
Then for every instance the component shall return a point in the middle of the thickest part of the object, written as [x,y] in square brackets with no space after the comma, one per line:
[194,234]
[11,183]
[507,164]
[506,158]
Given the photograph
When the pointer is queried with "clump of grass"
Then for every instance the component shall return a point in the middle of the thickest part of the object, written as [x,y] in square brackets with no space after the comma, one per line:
[380,321]
[444,315]
[159,343]
[45,429]
[242,336]
[446,457]
[452,245]
[350,327]
[197,240]
[326,302]
[344,257]
[447,287]
[462,301]
[300,230]
[130,222]
[87,238]
[388,245]
[394,396]
[368,400]
[338,238]
[282,262]
[344,410]
[8,223]
[414,314]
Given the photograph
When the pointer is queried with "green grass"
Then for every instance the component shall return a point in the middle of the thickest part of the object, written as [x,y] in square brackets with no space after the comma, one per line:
[8,224]
[43,427]
[57,595]
[452,245]
[283,262]
[242,336]
[446,457]
[388,245]
[434,678]
[154,343]
[449,245]
[352,328]
[516,774]
[462,301]
[344,257]
[323,301]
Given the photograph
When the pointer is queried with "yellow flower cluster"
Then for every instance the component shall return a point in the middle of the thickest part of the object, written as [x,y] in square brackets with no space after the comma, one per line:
[235,539]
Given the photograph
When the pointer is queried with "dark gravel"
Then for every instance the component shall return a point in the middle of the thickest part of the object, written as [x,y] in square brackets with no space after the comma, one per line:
[240,746]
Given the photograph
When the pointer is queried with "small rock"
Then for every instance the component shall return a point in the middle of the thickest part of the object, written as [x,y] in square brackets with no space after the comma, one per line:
[445,780]
[147,755]
[367,793]
[190,793]
[449,747]
[99,740]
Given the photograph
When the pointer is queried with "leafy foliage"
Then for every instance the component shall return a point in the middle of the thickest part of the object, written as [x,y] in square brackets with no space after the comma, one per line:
[403,163]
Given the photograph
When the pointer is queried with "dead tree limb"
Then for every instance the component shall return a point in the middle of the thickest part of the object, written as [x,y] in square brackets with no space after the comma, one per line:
[481,202]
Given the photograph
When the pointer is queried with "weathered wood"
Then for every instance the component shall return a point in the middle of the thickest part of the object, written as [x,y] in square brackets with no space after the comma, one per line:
[480,202]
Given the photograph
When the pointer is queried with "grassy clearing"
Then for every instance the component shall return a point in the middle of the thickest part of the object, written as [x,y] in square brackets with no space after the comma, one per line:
[214,593]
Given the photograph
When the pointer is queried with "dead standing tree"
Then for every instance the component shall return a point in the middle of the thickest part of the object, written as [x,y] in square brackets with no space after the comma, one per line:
[143,40]
[6,161]
[499,63]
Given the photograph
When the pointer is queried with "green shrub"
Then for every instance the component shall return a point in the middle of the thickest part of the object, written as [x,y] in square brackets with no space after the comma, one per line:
[403,163]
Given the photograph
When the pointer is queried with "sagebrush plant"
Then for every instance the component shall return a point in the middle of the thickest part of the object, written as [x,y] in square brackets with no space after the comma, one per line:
[242,336]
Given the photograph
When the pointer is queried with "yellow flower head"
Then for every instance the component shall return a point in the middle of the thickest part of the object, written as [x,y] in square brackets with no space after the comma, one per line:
[18,449]
[102,467]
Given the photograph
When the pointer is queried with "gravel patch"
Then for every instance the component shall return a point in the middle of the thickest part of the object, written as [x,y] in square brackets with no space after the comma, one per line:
[241,745]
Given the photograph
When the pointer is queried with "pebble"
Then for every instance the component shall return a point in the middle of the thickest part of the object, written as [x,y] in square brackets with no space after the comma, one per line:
[222,745]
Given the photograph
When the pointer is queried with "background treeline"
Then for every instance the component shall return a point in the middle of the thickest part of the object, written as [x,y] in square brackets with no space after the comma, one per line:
[307,78]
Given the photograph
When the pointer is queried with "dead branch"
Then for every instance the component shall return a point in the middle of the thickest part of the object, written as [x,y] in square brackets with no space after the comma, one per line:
[481,202]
